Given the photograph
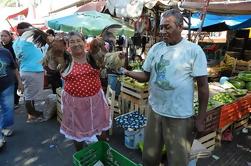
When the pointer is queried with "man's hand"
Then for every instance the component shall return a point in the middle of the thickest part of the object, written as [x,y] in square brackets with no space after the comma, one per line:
[200,122]
[122,71]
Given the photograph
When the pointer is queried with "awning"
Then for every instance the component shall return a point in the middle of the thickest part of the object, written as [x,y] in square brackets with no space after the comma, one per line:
[151,3]
[216,23]
[96,6]
[134,8]
[237,7]
[125,8]
[23,12]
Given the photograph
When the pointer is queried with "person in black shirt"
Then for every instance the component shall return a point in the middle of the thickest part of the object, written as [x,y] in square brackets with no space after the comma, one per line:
[7,42]
[8,75]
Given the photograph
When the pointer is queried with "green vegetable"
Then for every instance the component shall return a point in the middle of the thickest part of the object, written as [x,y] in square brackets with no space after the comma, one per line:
[245,76]
[223,98]
[239,84]
[248,86]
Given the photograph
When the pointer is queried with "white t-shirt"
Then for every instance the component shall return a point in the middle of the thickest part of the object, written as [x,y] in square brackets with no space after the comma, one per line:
[171,85]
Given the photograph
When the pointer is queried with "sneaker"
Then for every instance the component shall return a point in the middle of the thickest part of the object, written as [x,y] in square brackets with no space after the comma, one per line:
[2,142]
[7,132]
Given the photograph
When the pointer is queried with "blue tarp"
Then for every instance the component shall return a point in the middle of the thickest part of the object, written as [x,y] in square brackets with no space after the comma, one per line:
[215,22]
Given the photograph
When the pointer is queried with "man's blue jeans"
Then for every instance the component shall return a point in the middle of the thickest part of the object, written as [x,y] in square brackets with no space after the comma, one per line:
[7,107]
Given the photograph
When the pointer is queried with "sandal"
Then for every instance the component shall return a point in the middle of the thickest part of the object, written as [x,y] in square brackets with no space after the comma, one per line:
[7,132]
[35,119]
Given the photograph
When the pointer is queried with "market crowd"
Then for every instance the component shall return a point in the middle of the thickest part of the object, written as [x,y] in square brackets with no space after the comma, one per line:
[170,68]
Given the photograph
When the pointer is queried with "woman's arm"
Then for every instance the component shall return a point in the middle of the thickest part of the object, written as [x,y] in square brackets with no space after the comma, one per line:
[20,84]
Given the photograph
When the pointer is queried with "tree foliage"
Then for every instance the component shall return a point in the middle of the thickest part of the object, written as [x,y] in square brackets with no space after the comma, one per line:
[9,3]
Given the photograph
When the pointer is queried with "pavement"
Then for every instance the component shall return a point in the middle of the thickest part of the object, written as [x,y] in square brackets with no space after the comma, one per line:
[41,144]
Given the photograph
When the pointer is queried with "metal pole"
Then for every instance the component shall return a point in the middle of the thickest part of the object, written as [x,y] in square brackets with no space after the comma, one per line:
[202,18]
[11,25]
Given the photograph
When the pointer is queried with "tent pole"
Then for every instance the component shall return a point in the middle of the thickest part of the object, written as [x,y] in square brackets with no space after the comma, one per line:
[78,3]
[189,25]
[202,19]
[10,25]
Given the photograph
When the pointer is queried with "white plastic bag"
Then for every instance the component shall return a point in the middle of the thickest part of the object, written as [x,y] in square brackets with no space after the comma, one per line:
[50,107]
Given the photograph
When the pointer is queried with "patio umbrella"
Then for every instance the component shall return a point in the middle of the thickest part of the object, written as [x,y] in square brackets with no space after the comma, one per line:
[90,23]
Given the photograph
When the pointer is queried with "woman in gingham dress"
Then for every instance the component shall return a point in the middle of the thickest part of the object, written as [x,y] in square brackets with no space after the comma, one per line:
[85,109]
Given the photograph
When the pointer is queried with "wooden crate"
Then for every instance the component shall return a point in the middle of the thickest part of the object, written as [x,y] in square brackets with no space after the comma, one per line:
[134,91]
[128,103]
[220,132]
[244,105]
[209,140]
[241,65]
[59,111]
[228,114]
[211,122]
[241,123]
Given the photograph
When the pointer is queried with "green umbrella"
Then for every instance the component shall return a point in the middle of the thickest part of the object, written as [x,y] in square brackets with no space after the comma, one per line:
[90,23]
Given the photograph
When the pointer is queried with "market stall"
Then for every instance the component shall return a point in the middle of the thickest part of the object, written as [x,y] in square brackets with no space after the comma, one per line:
[229,106]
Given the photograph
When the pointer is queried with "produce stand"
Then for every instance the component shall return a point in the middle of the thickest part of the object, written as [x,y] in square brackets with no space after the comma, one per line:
[234,116]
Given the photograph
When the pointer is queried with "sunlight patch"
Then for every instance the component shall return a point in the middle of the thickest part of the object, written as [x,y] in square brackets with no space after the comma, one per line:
[31,160]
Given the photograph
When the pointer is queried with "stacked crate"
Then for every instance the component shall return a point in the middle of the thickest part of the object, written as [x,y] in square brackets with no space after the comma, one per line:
[234,116]
[241,65]
[243,113]
[133,99]
[208,140]
[212,120]
[244,104]
[241,123]
[228,114]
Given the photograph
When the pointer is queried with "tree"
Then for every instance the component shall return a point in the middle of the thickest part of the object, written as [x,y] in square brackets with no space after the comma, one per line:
[8,3]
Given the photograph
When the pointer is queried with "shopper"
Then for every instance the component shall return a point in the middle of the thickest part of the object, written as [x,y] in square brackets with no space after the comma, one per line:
[85,110]
[29,57]
[7,42]
[171,67]
[56,46]
[8,75]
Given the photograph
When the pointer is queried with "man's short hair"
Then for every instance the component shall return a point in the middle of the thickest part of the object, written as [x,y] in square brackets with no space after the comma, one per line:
[176,13]
[51,32]
[23,25]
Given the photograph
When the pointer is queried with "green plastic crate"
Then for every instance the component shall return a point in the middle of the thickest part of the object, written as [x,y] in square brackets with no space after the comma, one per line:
[103,152]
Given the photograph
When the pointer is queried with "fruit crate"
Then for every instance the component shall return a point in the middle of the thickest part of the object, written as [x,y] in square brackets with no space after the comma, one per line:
[220,132]
[241,65]
[244,106]
[59,111]
[133,96]
[130,89]
[212,120]
[208,140]
[128,103]
[241,123]
[101,151]
[228,114]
